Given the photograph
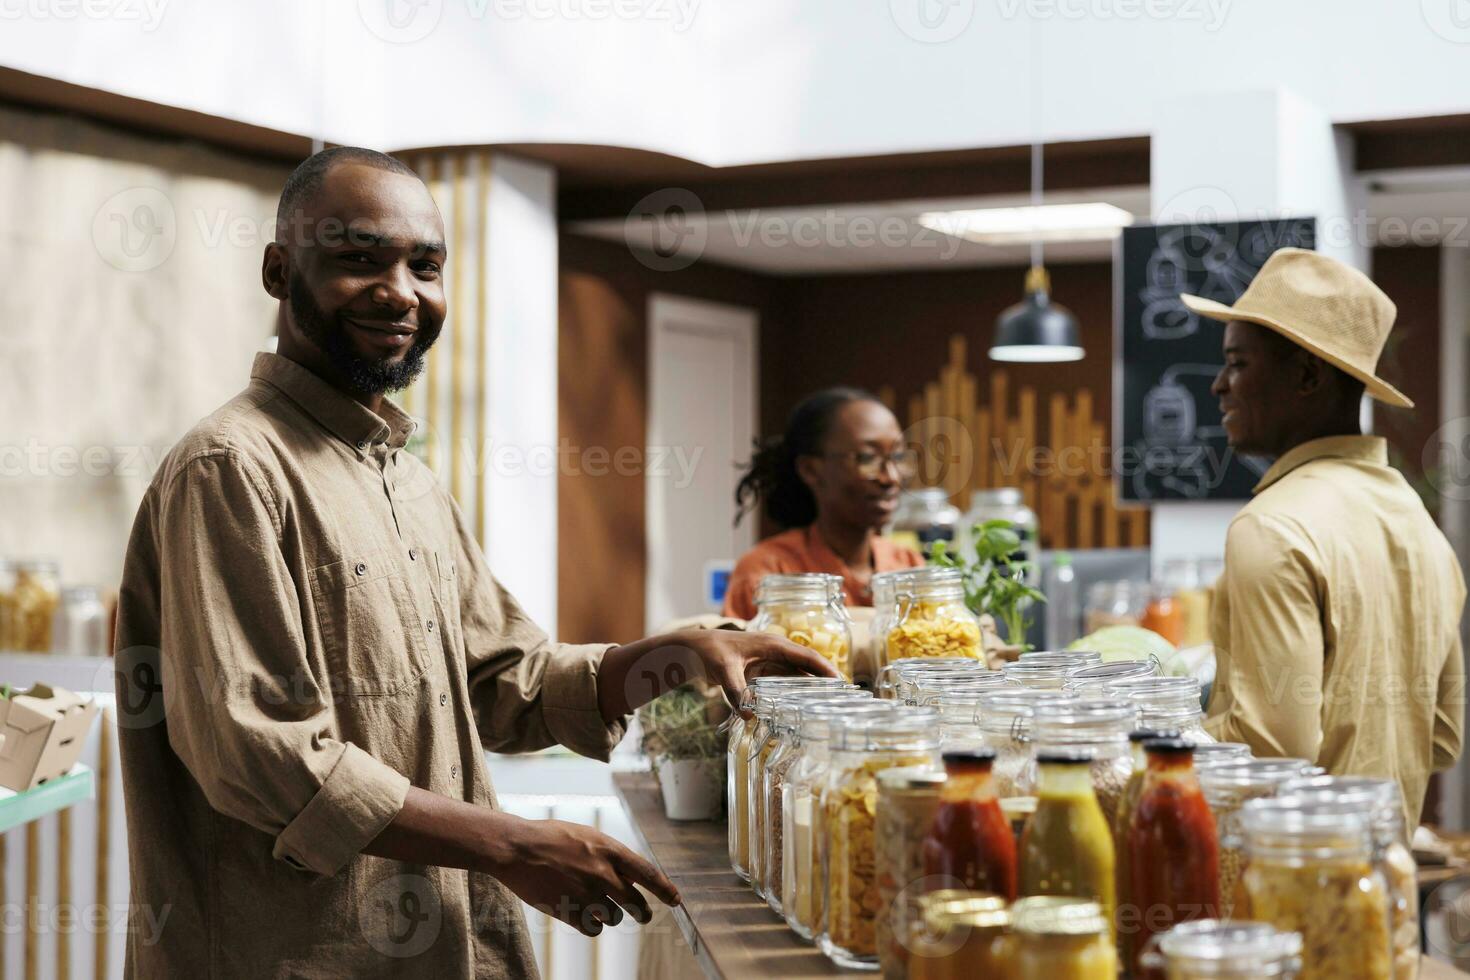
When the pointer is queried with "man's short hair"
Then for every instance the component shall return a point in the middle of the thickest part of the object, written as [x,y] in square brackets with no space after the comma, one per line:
[307,179]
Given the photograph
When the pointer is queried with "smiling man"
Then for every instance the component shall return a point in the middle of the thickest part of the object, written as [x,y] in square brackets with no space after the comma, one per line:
[313,656]
[1337,619]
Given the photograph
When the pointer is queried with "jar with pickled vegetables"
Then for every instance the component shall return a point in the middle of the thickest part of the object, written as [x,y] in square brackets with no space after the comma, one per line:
[1062,939]
[1211,949]
[737,762]
[1310,871]
[969,844]
[1228,787]
[929,618]
[1128,944]
[1067,846]
[1382,801]
[807,609]
[802,887]
[907,800]
[1005,725]
[1093,681]
[860,749]
[30,605]
[1166,702]
[1097,726]
[962,935]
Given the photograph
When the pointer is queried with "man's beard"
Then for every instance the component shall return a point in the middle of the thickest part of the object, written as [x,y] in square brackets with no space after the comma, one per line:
[362,375]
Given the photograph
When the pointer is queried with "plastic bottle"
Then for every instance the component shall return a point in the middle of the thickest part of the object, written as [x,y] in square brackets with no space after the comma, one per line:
[1063,604]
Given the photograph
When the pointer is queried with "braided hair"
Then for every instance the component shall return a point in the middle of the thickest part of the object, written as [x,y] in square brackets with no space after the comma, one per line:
[770,478]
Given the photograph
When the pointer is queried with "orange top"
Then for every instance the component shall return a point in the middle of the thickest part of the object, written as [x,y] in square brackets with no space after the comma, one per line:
[803,550]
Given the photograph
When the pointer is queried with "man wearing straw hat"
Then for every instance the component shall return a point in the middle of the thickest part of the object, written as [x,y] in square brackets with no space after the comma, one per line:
[1336,622]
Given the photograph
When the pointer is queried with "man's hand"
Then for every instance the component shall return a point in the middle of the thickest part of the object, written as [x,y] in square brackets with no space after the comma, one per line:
[637,673]
[581,876]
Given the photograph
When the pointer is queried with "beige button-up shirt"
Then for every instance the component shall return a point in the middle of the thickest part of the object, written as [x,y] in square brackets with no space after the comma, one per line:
[1337,621]
[307,627]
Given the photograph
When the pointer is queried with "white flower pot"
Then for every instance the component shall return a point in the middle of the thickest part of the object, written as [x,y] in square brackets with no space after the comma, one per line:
[693,789]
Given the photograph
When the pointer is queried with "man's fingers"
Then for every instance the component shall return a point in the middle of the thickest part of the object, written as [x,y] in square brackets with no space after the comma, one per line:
[629,897]
[605,910]
[798,656]
[642,872]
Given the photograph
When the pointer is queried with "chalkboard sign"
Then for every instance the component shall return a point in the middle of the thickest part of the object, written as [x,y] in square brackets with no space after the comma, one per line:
[1169,444]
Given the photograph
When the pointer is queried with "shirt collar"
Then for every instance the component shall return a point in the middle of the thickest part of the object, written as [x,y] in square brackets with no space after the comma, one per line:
[340,415]
[1366,449]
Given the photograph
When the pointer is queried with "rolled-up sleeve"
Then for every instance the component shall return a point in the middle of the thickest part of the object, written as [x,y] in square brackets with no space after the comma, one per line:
[245,713]
[527,692]
[1449,709]
[1272,653]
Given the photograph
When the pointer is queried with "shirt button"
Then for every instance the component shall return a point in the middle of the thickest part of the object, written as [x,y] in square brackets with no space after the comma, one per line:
[361,569]
[454,772]
[362,444]
[443,700]
[431,626]
[413,554]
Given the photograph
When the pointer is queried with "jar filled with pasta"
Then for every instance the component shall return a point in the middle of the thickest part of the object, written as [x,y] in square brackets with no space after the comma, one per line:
[1382,802]
[1004,721]
[1228,787]
[1167,702]
[930,618]
[961,935]
[30,604]
[1097,726]
[861,748]
[1092,681]
[1211,949]
[808,610]
[802,888]
[1310,871]
[1062,939]
[885,586]
[907,800]
[737,762]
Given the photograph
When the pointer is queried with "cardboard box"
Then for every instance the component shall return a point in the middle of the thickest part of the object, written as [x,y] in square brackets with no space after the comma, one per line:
[41,735]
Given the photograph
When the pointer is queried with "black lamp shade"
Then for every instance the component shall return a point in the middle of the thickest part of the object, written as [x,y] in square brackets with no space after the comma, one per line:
[1036,329]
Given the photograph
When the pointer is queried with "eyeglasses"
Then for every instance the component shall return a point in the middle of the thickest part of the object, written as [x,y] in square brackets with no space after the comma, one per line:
[871,465]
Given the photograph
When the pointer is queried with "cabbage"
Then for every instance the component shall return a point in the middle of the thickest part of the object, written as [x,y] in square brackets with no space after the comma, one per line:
[1127,643]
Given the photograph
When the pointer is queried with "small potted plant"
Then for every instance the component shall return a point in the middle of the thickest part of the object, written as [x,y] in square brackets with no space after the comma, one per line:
[684,737]
[995,581]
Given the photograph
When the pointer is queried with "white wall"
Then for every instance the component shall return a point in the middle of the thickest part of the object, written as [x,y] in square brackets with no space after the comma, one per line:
[736,81]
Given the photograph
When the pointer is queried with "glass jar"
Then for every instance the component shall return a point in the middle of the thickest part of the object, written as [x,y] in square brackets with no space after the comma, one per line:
[763,743]
[892,675]
[1122,821]
[1062,939]
[1071,659]
[1120,603]
[1096,726]
[1037,676]
[1164,614]
[1211,949]
[30,603]
[81,623]
[1166,702]
[958,704]
[918,687]
[969,844]
[930,618]
[737,762]
[807,609]
[1003,504]
[1067,846]
[907,800]
[885,586]
[801,865]
[860,749]
[1228,787]
[1310,871]
[959,937]
[1382,802]
[1005,725]
[923,516]
[1210,754]
[1093,681]
[785,732]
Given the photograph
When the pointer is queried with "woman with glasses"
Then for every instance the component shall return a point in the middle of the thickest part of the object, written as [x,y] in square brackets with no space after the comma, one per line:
[831,482]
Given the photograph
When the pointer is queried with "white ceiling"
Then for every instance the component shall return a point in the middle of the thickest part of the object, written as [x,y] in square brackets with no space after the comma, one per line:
[1422,207]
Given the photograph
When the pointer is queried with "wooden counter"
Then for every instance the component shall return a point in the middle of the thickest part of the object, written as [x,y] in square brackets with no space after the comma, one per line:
[733,934]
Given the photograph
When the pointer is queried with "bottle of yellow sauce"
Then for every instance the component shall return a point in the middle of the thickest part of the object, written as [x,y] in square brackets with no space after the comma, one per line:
[1067,847]
[1062,939]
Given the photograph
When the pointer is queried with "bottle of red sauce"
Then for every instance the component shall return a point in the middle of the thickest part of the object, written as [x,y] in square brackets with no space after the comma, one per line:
[970,841]
[1174,853]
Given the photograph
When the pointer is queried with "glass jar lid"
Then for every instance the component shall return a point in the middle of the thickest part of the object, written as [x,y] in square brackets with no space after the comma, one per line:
[788,710]
[1011,709]
[764,688]
[1097,676]
[930,582]
[1052,915]
[1212,947]
[1083,720]
[817,717]
[1039,676]
[1072,659]
[1301,829]
[803,587]
[1248,773]
[36,566]
[897,728]
[910,778]
[1220,753]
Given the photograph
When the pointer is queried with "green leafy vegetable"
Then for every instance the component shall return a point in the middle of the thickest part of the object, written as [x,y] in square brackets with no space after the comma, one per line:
[995,582]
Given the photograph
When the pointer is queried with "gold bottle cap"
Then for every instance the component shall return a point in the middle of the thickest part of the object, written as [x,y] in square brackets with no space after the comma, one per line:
[1053,915]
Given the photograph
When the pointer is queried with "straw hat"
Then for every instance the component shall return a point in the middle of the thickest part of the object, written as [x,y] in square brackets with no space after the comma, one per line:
[1321,305]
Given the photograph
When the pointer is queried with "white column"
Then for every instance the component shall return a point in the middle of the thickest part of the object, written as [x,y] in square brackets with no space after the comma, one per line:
[1454,505]
[1244,156]
[519,368]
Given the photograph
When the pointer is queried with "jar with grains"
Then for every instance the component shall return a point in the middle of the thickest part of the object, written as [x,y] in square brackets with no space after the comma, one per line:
[1310,871]
[28,605]
[763,742]
[860,749]
[1037,676]
[809,610]
[802,889]
[737,763]
[1005,725]
[885,586]
[1382,801]
[1228,787]
[785,728]
[1166,702]
[1092,681]
[1097,726]
[930,618]
[1211,949]
[960,936]
[907,800]
[1062,939]
[893,676]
